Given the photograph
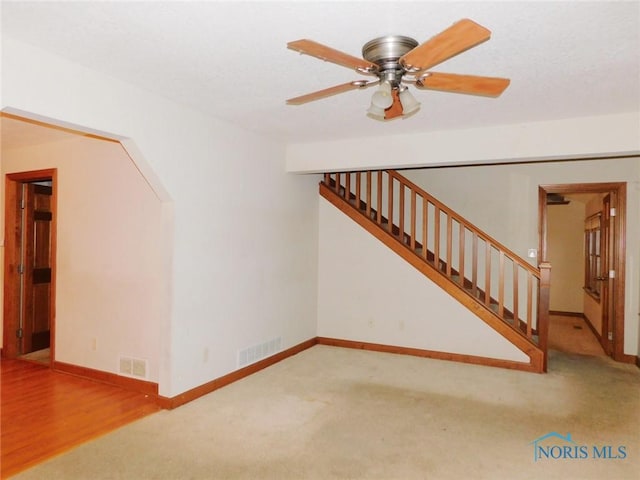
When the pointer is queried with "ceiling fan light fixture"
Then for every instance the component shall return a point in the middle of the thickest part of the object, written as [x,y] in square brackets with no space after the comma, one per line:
[382,97]
[375,112]
[409,104]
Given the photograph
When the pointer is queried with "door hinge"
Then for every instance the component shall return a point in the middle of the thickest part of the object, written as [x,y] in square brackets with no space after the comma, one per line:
[612,212]
[21,269]
[612,274]
[20,333]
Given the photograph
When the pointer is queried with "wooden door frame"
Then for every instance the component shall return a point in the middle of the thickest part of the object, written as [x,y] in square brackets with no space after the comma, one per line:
[618,191]
[11,305]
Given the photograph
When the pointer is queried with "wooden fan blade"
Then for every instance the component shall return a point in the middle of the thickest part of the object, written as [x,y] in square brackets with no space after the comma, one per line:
[332,55]
[395,110]
[327,92]
[470,84]
[456,39]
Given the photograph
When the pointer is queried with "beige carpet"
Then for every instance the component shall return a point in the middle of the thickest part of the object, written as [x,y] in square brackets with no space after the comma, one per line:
[337,413]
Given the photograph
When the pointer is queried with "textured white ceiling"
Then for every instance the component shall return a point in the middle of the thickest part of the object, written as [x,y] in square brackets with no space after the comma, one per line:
[564,59]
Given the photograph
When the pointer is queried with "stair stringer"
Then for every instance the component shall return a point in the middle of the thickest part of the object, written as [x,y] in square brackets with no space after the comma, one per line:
[532,351]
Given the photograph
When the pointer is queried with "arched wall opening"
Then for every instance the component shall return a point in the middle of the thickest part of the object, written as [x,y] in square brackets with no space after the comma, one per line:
[113,245]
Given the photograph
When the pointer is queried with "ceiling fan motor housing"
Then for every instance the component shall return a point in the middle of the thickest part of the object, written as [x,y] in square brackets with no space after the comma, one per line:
[385,52]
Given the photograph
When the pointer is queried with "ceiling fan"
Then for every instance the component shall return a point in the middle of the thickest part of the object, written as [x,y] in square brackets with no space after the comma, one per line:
[398,60]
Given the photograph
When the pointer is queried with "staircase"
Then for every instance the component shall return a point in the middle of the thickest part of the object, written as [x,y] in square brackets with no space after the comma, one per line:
[498,286]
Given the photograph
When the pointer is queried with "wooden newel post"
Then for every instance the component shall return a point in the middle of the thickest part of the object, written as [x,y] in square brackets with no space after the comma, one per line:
[543,309]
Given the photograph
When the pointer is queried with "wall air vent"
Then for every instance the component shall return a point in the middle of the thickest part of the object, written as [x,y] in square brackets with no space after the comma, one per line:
[258,352]
[132,367]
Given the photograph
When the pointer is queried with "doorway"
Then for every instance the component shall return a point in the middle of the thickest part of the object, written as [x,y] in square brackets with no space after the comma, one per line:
[600,256]
[29,265]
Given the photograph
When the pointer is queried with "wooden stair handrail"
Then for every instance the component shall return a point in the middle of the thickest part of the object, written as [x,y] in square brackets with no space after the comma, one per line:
[531,328]
[463,221]
[412,243]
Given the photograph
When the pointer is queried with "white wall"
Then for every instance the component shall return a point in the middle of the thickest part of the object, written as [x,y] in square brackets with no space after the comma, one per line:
[240,233]
[366,292]
[584,137]
[109,264]
[503,201]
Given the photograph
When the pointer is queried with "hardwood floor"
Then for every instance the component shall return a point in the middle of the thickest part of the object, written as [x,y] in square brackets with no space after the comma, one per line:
[45,413]
[571,334]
